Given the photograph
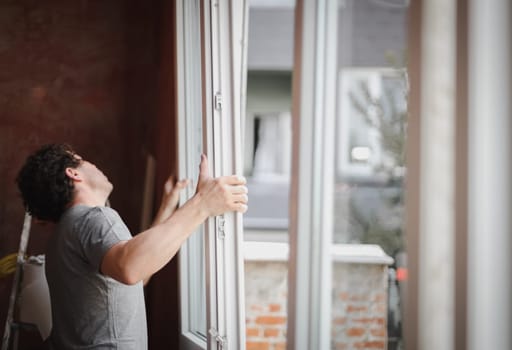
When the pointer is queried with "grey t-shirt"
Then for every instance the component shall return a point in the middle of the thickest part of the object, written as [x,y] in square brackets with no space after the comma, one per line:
[89,309]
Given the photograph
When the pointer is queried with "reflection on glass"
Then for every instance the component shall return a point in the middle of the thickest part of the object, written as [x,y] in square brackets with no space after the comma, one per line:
[267,161]
[272,146]
[369,261]
[369,258]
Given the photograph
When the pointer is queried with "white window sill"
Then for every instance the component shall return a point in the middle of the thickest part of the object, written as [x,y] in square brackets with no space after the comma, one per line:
[344,253]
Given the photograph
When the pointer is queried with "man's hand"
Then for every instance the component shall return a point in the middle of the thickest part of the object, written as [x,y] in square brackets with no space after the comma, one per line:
[222,194]
[170,199]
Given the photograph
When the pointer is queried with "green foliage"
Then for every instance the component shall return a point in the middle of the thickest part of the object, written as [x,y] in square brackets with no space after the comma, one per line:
[388,115]
[384,115]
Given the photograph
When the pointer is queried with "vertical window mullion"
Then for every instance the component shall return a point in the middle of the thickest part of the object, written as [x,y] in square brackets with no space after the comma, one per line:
[311,216]
[489,312]
[431,168]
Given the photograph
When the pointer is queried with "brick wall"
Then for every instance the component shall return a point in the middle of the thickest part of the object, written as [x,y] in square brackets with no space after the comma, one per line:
[359,316]
[265,300]
[359,306]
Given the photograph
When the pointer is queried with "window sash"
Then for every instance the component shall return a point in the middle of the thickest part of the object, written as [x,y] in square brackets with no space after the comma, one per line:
[217,52]
[224,80]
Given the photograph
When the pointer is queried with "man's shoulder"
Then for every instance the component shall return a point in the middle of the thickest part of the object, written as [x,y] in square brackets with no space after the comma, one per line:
[84,211]
[101,215]
[107,212]
[81,216]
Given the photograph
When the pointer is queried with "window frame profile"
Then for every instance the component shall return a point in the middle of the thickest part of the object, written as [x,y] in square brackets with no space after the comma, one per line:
[222,65]
[189,81]
[312,181]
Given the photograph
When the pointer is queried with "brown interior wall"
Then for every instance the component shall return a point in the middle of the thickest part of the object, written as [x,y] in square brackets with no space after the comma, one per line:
[162,291]
[87,73]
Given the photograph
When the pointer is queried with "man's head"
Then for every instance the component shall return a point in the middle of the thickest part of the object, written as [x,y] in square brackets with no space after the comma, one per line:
[44,185]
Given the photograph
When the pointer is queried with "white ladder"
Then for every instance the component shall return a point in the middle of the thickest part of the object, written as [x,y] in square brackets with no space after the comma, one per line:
[10,338]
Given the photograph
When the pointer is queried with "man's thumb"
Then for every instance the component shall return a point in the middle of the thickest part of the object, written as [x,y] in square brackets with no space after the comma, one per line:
[203,168]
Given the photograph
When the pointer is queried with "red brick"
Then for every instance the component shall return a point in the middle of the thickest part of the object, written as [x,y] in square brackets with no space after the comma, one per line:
[363,320]
[256,307]
[340,346]
[355,332]
[378,332]
[340,320]
[252,332]
[380,321]
[381,297]
[271,332]
[376,344]
[271,320]
[274,307]
[360,297]
[380,308]
[344,296]
[367,320]
[356,308]
[257,345]
[279,346]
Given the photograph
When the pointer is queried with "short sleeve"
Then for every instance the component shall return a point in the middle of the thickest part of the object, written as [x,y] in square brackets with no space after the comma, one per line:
[101,229]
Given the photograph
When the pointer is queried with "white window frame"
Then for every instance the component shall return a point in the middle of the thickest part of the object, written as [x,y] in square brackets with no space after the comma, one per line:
[192,274]
[222,62]
[311,213]
[489,175]
[223,105]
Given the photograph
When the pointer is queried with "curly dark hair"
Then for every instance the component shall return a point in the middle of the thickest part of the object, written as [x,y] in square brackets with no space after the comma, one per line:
[45,188]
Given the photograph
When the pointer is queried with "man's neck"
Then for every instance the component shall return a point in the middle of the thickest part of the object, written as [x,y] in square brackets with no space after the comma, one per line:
[89,199]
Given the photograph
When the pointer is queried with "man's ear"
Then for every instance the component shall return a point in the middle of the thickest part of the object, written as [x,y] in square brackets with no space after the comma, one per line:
[73,174]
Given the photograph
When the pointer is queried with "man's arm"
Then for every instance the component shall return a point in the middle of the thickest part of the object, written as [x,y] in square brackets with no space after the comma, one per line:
[137,259]
[170,199]
[169,204]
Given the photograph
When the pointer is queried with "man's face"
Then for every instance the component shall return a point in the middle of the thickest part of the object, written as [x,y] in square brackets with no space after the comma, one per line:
[93,176]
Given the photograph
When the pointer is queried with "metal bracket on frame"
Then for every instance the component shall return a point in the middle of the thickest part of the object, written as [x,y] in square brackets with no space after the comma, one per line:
[221,222]
[217,100]
[221,340]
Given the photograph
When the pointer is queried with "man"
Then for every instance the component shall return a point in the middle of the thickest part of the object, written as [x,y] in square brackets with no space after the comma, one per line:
[94,267]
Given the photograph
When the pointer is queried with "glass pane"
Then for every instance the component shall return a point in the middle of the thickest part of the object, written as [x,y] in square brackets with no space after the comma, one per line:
[197,286]
[267,147]
[369,259]
[197,253]
[195,246]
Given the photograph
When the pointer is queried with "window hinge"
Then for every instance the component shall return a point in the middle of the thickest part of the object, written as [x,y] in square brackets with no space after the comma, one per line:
[218,101]
[221,340]
[221,233]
